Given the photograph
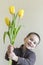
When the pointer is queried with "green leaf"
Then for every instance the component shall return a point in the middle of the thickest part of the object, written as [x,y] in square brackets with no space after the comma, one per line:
[18,29]
[11,35]
[5,33]
[14,19]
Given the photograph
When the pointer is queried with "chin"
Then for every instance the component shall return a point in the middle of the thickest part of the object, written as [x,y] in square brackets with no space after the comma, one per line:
[30,47]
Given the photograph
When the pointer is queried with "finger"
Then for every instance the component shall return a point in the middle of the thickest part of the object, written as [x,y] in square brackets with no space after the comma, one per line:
[9,46]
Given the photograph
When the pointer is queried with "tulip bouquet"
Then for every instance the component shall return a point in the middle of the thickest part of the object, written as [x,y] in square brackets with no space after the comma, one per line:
[12,28]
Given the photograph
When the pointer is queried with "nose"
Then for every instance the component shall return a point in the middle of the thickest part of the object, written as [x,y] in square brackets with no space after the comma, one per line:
[30,43]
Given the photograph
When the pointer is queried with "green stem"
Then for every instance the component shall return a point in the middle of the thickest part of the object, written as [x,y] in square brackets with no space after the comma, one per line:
[10,62]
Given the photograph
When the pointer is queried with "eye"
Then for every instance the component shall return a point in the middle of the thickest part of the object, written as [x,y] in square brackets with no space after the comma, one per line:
[34,42]
[28,43]
[31,39]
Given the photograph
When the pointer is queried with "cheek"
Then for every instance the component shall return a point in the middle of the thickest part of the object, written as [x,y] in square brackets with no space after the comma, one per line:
[26,45]
[34,45]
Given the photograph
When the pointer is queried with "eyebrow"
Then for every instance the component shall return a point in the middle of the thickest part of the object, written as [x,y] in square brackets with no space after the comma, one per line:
[31,39]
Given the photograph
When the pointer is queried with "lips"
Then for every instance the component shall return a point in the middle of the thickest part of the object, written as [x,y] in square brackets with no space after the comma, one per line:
[30,44]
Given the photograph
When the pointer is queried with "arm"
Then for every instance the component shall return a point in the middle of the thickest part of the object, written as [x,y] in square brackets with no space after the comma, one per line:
[9,50]
[6,56]
[27,61]
[20,60]
[23,61]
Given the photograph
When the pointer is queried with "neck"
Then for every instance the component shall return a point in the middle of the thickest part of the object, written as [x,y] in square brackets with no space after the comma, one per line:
[24,47]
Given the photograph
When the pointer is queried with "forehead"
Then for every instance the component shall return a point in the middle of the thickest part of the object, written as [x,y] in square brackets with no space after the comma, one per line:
[34,37]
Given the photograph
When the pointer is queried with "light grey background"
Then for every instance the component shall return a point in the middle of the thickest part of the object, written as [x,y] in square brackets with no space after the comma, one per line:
[32,21]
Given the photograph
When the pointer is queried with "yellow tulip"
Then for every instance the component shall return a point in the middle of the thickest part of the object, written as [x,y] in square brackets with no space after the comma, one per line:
[7,21]
[21,13]
[12,10]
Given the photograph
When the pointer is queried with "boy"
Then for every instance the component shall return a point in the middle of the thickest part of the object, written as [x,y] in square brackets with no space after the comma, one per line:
[24,55]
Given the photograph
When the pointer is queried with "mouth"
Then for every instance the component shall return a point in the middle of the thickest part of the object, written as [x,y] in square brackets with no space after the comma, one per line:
[30,44]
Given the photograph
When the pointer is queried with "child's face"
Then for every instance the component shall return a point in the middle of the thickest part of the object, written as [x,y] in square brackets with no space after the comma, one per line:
[31,41]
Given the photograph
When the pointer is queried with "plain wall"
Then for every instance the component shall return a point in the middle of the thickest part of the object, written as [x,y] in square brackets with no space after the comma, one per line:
[31,22]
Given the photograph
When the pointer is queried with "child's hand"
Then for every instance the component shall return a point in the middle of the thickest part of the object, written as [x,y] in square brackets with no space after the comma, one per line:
[11,54]
[10,49]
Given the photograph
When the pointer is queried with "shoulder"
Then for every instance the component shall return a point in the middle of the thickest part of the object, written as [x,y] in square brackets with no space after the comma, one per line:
[31,57]
[32,54]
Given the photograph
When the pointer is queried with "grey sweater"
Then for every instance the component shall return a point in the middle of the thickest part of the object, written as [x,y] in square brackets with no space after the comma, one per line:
[27,57]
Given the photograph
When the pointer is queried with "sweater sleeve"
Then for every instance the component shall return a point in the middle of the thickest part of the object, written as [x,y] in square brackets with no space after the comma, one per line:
[27,61]
[6,56]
